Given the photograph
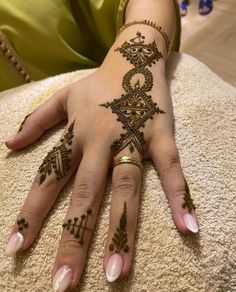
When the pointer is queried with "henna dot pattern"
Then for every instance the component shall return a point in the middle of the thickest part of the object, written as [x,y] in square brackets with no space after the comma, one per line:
[135,106]
[188,201]
[22,224]
[119,240]
[78,227]
[57,159]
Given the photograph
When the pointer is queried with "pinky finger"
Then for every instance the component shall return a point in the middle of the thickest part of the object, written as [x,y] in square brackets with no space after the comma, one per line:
[166,160]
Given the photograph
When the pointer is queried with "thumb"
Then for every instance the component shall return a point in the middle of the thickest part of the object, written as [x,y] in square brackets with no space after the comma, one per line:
[36,123]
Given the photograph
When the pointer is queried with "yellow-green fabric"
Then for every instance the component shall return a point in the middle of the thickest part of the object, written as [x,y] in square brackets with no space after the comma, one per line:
[56,36]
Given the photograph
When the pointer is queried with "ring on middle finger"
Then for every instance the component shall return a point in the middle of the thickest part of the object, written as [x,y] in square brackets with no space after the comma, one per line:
[127,159]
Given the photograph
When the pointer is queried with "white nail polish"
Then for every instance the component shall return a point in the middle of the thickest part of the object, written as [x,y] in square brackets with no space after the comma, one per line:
[14,244]
[62,279]
[114,267]
[190,223]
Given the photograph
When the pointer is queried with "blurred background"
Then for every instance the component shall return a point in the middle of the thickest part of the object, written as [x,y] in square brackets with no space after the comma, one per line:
[212,38]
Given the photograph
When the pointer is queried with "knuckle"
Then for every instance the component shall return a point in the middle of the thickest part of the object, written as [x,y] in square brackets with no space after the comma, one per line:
[82,190]
[125,183]
[171,163]
[30,213]
[69,245]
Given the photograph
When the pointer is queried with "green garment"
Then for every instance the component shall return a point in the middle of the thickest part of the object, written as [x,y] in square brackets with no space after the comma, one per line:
[52,36]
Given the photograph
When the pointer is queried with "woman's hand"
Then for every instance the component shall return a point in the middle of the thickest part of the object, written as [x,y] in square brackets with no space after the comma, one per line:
[85,148]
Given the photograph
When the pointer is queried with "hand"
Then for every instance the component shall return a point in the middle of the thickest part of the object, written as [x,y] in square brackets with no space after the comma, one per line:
[85,148]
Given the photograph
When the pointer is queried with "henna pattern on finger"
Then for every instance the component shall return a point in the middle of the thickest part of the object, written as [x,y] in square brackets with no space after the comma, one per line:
[78,229]
[188,201]
[135,106]
[21,125]
[119,240]
[57,159]
[22,224]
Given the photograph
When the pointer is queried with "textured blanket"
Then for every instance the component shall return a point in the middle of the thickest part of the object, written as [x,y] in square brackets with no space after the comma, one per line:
[164,260]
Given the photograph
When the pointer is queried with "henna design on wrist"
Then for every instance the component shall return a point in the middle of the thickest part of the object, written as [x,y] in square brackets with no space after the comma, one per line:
[119,240]
[21,125]
[22,224]
[135,106]
[76,228]
[188,201]
[58,158]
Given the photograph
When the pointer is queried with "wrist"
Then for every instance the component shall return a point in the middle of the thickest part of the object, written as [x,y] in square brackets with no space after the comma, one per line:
[118,62]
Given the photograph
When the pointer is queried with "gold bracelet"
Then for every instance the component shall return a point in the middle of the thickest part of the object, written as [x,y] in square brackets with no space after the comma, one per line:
[150,23]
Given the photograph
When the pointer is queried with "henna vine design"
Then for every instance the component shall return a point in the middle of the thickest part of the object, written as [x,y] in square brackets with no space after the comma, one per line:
[22,224]
[188,201]
[58,158]
[82,225]
[21,125]
[120,236]
[135,107]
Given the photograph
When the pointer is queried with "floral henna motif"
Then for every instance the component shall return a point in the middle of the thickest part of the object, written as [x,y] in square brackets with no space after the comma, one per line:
[78,229]
[188,201]
[135,106]
[58,158]
[119,240]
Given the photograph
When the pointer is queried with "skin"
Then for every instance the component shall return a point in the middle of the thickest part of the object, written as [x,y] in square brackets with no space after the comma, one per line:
[95,129]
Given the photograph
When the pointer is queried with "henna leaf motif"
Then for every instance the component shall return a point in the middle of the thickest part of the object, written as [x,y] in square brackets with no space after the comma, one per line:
[57,159]
[119,240]
[188,201]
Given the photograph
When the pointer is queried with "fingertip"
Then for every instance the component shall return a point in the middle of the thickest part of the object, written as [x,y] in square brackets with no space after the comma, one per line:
[190,222]
[10,140]
[186,223]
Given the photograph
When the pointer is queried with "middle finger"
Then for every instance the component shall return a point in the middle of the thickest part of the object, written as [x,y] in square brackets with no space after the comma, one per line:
[126,186]
[88,189]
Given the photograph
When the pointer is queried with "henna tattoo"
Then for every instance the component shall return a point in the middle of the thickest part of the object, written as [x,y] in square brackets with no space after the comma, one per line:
[120,236]
[82,225]
[135,107]
[22,224]
[58,158]
[188,201]
[21,125]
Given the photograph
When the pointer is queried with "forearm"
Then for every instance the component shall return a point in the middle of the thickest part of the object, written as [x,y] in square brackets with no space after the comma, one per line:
[162,12]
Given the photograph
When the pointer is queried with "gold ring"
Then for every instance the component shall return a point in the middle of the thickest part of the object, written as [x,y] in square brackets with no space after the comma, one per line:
[127,159]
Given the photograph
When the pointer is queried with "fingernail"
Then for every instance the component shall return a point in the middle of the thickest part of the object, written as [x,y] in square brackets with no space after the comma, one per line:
[62,279]
[114,267]
[11,138]
[190,223]
[14,244]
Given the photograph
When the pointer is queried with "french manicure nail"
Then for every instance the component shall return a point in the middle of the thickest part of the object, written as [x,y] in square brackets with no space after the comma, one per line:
[62,279]
[14,244]
[190,223]
[114,267]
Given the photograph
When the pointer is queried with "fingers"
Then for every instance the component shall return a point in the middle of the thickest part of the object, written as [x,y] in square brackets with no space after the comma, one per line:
[126,185]
[54,172]
[166,159]
[81,216]
[44,117]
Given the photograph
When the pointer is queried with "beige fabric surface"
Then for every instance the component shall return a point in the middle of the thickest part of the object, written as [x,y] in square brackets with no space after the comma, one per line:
[164,260]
